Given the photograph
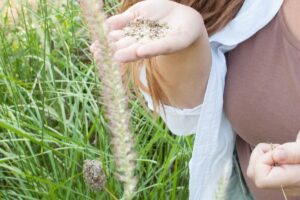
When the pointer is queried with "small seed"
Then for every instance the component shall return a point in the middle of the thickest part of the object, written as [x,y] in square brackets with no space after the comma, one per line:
[146,29]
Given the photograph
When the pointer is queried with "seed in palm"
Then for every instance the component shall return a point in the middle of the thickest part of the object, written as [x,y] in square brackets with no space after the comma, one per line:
[146,29]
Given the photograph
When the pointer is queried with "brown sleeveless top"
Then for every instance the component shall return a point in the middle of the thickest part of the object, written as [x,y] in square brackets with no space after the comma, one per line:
[262,94]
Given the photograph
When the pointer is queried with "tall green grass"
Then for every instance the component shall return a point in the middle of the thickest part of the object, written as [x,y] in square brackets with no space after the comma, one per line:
[51,117]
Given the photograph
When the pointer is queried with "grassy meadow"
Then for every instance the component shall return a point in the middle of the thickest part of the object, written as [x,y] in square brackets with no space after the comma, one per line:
[52,119]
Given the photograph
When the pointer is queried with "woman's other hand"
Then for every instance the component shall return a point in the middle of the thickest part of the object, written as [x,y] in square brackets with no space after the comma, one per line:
[276,167]
[185,27]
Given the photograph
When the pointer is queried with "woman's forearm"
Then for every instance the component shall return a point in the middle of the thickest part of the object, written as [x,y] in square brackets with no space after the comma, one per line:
[184,63]
[186,74]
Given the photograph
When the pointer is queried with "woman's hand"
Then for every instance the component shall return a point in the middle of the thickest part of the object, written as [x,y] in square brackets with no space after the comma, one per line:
[185,27]
[276,167]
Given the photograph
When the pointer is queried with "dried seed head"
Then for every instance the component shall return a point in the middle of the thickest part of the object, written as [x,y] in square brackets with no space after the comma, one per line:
[93,174]
[114,99]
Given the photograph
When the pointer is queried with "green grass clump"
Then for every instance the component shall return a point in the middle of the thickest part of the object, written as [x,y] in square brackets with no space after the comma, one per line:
[51,119]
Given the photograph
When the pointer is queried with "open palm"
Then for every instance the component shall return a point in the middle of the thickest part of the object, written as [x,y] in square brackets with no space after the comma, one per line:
[185,27]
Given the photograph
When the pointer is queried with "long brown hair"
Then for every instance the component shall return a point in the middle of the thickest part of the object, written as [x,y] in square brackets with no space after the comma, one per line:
[216,14]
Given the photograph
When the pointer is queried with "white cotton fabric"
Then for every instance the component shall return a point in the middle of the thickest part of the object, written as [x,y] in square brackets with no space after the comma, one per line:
[214,140]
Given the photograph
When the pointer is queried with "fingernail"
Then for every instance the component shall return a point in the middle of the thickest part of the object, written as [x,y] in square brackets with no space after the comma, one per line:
[280,155]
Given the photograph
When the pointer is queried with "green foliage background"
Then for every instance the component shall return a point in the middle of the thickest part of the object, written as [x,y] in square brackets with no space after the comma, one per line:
[51,117]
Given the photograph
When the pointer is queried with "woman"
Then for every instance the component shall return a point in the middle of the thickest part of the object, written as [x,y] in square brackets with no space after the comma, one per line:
[262,97]
[187,68]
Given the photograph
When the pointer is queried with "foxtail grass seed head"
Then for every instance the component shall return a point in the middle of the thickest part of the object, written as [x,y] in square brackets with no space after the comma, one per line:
[222,187]
[113,96]
[93,174]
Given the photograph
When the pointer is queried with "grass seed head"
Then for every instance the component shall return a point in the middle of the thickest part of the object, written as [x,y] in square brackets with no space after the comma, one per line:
[93,174]
[113,96]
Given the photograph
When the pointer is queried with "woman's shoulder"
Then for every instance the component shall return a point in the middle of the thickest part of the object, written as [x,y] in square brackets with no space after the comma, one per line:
[253,16]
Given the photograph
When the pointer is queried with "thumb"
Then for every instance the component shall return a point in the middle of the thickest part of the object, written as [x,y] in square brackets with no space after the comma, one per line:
[288,153]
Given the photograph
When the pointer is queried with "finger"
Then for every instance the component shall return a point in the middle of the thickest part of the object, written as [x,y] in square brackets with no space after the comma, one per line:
[94,46]
[262,168]
[298,138]
[124,43]
[116,35]
[127,54]
[119,21]
[288,153]
[284,175]
[161,46]
[259,150]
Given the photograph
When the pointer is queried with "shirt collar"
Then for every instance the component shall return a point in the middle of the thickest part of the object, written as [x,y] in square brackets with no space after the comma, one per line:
[253,16]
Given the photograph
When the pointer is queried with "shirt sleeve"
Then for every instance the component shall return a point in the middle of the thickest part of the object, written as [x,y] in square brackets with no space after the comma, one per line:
[181,122]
